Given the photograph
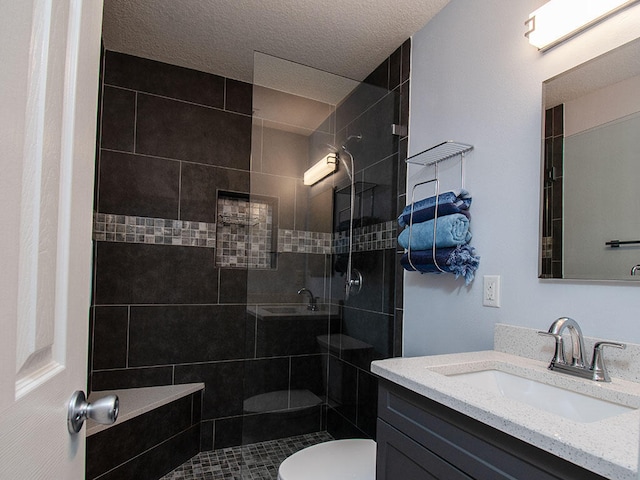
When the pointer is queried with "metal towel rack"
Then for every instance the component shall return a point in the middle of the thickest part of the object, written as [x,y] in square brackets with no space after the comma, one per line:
[433,156]
[438,153]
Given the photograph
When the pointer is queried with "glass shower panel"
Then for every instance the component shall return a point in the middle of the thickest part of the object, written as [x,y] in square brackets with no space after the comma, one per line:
[308,351]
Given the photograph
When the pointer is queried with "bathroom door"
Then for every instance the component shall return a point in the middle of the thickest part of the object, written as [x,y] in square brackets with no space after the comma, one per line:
[49,52]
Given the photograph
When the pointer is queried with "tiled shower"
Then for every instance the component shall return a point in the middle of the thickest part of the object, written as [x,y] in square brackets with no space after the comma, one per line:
[202,220]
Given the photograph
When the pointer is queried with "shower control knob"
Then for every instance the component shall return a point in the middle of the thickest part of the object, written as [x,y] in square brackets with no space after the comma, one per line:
[104,410]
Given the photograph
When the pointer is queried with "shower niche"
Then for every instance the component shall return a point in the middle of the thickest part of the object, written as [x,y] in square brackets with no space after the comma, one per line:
[246,233]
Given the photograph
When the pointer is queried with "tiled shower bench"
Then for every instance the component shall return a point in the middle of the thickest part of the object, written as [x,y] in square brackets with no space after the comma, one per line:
[158,428]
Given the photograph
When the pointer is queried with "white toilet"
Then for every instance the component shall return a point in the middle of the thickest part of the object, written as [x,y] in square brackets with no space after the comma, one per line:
[352,459]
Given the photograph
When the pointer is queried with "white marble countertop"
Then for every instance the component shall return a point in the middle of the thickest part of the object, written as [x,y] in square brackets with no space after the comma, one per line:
[136,401]
[608,447]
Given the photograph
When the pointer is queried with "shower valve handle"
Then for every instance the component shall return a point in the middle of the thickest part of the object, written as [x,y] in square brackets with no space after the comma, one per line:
[354,283]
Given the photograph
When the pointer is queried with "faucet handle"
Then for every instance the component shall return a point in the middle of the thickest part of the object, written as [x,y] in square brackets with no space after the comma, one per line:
[558,355]
[598,367]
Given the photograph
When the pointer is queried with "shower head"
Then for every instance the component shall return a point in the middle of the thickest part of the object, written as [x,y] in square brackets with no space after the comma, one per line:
[349,138]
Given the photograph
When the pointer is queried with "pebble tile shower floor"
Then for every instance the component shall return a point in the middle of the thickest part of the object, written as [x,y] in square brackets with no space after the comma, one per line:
[258,461]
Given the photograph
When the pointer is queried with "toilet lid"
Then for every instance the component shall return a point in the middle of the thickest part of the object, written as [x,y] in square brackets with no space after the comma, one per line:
[352,459]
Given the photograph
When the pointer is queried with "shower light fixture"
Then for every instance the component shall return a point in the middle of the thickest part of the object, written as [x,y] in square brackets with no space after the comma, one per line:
[324,167]
[557,20]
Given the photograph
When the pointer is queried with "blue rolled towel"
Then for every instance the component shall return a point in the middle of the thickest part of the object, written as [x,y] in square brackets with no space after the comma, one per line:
[448,203]
[461,261]
[451,230]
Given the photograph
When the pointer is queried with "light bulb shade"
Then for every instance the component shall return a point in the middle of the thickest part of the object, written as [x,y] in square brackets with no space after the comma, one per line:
[558,20]
[324,167]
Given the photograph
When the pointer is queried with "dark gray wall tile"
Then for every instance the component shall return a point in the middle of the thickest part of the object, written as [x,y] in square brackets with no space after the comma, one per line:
[265,375]
[397,336]
[280,285]
[173,129]
[131,378]
[309,372]
[363,97]
[200,186]
[404,104]
[389,281]
[375,329]
[380,76]
[223,381]
[284,153]
[137,185]
[233,285]
[239,96]
[406,60]
[278,336]
[111,447]
[281,188]
[196,408]
[402,166]
[161,459]
[319,212]
[183,334]
[339,427]
[367,402]
[163,79]
[371,265]
[206,435]
[138,273]
[118,119]
[256,145]
[227,432]
[273,425]
[343,385]
[378,202]
[395,68]
[375,125]
[110,337]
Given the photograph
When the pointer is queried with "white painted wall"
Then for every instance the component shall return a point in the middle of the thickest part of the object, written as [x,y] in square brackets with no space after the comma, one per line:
[476,79]
[601,106]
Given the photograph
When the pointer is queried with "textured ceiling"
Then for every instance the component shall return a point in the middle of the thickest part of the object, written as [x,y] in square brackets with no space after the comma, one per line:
[345,37]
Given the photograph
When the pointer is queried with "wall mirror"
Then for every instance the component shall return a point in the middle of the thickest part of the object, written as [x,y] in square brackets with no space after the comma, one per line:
[591,169]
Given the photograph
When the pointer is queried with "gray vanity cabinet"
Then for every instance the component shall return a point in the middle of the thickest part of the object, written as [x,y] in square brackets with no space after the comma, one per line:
[419,439]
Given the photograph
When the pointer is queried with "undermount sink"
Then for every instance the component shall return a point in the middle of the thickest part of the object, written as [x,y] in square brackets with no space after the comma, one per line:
[293,310]
[282,309]
[565,403]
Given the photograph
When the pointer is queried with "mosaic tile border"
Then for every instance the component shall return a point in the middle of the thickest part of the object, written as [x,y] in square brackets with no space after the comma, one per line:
[155,231]
[302,241]
[160,231]
[380,236]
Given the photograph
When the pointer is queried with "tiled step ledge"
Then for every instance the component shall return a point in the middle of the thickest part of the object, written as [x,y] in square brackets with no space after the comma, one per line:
[136,401]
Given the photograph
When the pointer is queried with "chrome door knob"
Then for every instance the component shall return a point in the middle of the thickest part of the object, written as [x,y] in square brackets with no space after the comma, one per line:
[105,411]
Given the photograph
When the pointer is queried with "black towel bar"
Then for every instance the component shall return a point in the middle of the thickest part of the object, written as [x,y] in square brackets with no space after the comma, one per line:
[617,243]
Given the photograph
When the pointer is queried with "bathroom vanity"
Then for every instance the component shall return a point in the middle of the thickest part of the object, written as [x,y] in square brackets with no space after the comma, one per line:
[441,417]
[422,439]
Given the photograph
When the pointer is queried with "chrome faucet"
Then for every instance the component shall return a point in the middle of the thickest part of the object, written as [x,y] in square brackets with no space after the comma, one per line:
[312,305]
[597,370]
[635,269]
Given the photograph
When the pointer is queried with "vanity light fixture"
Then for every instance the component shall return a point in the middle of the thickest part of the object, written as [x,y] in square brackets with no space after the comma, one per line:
[558,20]
[324,167]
